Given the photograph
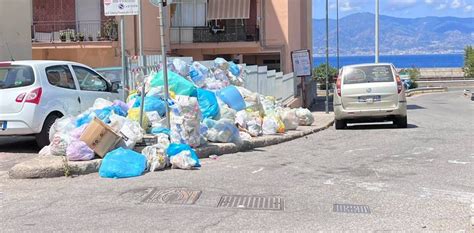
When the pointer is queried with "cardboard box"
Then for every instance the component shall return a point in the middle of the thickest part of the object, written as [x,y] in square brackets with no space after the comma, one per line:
[100,137]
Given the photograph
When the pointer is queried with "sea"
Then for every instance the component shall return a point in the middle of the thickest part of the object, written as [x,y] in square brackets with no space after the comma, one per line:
[400,61]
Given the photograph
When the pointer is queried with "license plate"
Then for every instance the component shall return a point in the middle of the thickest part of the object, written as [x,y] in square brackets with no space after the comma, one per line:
[3,125]
[369,99]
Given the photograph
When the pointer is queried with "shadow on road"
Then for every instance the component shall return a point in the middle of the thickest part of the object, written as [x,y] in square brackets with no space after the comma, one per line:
[18,145]
[319,104]
[373,126]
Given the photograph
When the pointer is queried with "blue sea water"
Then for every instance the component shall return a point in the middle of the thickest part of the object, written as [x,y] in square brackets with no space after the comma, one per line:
[400,61]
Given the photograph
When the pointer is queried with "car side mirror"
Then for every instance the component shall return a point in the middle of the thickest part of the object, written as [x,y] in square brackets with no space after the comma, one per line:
[115,87]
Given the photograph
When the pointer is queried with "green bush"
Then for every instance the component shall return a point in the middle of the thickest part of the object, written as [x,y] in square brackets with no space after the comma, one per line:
[469,62]
[319,74]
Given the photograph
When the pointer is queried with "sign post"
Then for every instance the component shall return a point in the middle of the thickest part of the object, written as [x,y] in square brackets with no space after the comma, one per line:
[301,61]
[160,4]
[122,8]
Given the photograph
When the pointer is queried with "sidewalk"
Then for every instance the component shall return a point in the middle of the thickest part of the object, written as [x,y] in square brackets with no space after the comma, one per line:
[54,166]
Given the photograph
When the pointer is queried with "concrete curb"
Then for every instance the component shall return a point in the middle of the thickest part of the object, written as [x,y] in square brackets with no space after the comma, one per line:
[54,166]
[418,91]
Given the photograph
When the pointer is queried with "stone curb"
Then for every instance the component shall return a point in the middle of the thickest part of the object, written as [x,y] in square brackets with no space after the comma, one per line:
[423,90]
[54,166]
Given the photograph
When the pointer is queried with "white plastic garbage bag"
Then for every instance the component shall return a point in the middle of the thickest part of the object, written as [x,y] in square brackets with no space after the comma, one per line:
[131,133]
[270,126]
[63,125]
[245,136]
[100,103]
[221,63]
[183,160]
[59,144]
[255,127]
[45,151]
[289,118]
[305,117]
[156,158]
[116,122]
[185,121]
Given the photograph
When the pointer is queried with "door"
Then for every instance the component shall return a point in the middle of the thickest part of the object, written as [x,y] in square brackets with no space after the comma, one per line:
[92,86]
[369,88]
[62,90]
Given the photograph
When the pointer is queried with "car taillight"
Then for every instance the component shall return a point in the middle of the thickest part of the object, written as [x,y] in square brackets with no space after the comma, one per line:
[399,84]
[34,96]
[20,98]
[338,86]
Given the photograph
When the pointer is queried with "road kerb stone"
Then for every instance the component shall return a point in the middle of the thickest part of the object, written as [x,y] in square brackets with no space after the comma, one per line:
[54,166]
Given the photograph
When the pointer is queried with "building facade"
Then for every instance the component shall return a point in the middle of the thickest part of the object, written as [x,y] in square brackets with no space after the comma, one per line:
[256,32]
[15,33]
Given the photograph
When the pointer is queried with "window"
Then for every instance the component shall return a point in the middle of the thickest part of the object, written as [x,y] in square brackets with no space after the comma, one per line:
[368,74]
[188,13]
[89,80]
[16,76]
[60,76]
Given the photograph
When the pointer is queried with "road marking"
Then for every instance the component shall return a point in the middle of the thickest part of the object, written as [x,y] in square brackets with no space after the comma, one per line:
[458,162]
[257,171]
[421,150]
[363,149]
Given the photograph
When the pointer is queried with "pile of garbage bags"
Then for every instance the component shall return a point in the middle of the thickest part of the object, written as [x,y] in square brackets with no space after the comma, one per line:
[207,104]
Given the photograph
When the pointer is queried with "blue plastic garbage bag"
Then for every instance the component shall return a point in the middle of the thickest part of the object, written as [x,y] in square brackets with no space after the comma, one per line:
[159,130]
[152,103]
[234,69]
[232,97]
[84,119]
[175,149]
[197,76]
[208,103]
[122,163]
[177,84]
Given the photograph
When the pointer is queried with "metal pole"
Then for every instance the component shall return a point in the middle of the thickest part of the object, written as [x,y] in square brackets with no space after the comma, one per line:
[164,64]
[327,57]
[376,31]
[337,32]
[124,80]
[142,59]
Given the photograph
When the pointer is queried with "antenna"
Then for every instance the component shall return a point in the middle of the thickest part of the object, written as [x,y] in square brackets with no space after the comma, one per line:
[9,52]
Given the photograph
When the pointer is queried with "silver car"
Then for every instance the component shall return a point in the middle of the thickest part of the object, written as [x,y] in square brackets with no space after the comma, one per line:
[369,92]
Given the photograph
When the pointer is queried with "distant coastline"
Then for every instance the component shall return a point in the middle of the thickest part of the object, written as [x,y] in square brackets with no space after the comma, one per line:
[454,60]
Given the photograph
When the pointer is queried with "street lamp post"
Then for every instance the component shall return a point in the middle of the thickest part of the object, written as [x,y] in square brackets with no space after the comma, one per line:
[337,32]
[327,57]
[376,31]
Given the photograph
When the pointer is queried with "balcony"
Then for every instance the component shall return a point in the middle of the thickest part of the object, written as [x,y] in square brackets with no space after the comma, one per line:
[239,33]
[73,31]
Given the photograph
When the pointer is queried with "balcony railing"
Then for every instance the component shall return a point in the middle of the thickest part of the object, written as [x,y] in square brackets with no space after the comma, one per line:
[181,35]
[46,31]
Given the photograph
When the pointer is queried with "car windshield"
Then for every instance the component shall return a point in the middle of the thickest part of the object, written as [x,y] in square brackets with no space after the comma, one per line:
[16,76]
[368,74]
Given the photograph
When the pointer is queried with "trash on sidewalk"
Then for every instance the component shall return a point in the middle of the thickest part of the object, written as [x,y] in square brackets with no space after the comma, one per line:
[122,163]
[100,137]
[182,156]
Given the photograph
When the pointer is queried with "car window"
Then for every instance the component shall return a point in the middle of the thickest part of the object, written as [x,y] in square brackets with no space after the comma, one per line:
[89,80]
[367,74]
[16,76]
[60,76]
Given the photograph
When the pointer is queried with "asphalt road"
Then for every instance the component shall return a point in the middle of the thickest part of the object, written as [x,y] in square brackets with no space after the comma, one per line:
[415,179]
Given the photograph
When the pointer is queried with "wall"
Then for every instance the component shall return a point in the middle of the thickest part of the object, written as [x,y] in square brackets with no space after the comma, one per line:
[15,29]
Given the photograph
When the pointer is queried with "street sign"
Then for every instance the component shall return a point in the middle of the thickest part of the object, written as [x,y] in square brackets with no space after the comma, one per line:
[158,2]
[301,60]
[121,7]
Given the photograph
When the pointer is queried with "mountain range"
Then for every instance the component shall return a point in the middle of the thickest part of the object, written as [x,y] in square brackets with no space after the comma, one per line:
[427,35]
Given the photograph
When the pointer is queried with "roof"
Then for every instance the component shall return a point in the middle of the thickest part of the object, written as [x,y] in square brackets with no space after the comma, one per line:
[368,64]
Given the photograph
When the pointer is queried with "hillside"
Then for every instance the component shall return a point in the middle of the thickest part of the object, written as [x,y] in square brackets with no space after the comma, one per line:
[397,35]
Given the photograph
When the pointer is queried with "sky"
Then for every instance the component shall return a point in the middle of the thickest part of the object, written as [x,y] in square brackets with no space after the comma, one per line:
[396,8]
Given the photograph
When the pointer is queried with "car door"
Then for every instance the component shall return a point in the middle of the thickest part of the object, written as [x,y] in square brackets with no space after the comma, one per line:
[61,91]
[92,86]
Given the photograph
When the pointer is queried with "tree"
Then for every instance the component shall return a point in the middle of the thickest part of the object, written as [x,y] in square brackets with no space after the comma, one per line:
[319,74]
[469,62]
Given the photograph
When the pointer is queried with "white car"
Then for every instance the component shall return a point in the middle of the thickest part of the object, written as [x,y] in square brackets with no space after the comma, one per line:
[369,92]
[33,94]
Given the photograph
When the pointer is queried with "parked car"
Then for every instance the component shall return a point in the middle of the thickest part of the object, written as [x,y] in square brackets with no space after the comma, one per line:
[36,93]
[369,92]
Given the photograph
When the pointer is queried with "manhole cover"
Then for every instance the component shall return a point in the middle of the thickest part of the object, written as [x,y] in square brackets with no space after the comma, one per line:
[252,202]
[354,209]
[172,196]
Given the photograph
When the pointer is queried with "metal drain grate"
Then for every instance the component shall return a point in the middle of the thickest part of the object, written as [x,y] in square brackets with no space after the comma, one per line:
[252,202]
[172,196]
[354,209]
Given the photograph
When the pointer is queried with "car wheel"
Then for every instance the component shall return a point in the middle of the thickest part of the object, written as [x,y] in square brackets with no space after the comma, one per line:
[42,139]
[340,124]
[401,122]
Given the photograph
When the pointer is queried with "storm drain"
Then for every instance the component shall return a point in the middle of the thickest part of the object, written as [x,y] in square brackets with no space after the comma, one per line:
[353,209]
[252,202]
[172,196]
